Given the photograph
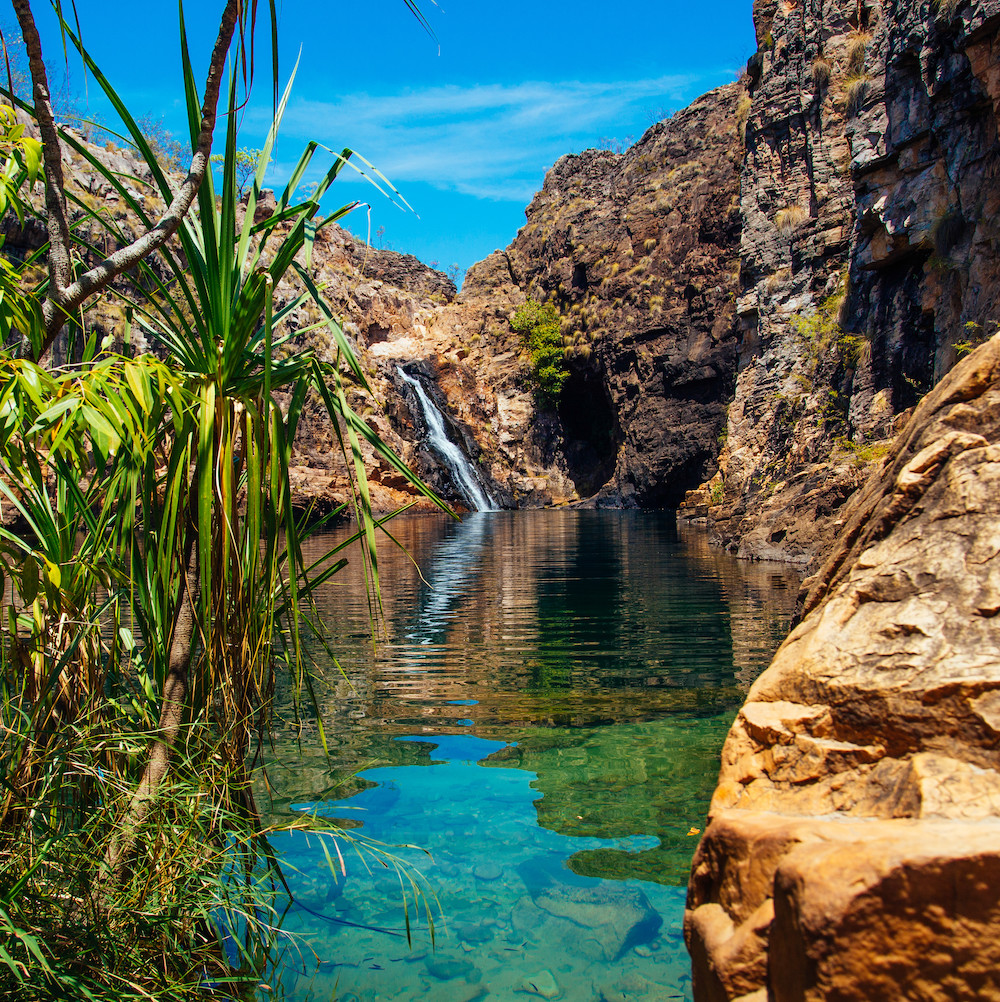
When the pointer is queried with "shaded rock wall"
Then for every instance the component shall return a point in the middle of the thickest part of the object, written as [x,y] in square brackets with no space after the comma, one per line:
[639,251]
[854,841]
[870,183]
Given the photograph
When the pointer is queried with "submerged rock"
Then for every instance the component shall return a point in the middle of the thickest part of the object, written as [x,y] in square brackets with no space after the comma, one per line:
[620,917]
[542,984]
[487,871]
[450,968]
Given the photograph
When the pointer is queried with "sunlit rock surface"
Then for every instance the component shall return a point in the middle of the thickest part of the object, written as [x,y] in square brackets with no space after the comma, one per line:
[854,846]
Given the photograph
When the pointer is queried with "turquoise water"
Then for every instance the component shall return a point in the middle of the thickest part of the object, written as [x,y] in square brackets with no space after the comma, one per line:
[523,763]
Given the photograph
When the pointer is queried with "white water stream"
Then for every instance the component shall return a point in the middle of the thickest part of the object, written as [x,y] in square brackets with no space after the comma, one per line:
[462,472]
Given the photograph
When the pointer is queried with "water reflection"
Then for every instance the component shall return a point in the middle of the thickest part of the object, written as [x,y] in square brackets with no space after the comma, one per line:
[591,662]
[450,577]
[551,618]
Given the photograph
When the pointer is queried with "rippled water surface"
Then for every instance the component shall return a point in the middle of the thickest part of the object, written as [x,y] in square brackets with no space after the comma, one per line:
[543,719]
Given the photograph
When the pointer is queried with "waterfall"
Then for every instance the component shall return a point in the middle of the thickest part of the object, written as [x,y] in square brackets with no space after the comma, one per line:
[462,472]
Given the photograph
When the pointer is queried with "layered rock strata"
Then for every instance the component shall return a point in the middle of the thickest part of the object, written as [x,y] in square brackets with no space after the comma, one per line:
[869,257]
[853,849]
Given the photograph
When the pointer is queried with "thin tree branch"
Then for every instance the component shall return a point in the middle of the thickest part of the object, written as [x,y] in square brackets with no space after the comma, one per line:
[60,271]
[65,297]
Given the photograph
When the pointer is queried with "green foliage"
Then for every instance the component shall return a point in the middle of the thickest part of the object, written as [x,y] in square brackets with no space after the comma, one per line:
[863,453]
[976,336]
[540,328]
[245,163]
[820,329]
[156,585]
[820,333]
[21,157]
[834,407]
[717,492]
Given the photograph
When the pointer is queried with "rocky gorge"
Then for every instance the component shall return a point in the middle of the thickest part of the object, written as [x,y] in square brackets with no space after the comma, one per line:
[752,298]
[776,312]
[766,307]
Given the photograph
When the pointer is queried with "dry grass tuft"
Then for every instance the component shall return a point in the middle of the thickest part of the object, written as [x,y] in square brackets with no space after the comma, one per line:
[855,90]
[743,107]
[789,218]
[820,72]
[857,49]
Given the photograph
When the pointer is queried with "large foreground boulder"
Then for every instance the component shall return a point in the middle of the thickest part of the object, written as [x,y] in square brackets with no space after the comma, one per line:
[853,851]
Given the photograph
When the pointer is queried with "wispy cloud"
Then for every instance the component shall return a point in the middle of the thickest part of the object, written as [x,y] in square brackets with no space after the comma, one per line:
[490,141]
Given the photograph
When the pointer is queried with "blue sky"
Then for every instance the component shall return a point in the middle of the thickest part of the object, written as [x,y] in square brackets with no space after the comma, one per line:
[465,124]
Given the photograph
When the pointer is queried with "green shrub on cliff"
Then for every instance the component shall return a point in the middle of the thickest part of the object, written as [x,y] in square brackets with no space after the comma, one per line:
[820,332]
[975,337]
[540,328]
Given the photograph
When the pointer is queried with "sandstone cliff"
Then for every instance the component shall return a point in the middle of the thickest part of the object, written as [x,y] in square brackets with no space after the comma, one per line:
[639,253]
[755,296]
[854,843]
[869,253]
[752,298]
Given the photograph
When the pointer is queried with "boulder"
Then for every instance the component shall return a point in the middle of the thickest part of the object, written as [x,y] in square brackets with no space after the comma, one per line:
[853,850]
[621,917]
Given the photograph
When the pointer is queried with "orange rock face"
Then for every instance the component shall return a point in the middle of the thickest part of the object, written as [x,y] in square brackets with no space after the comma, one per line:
[854,846]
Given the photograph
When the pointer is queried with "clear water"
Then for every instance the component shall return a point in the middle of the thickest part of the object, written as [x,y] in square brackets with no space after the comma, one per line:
[543,719]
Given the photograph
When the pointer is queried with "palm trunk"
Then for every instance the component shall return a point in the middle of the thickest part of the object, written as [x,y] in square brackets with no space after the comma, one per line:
[175,698]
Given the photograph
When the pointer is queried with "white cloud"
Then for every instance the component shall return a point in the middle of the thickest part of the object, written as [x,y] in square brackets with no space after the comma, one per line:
[491,140]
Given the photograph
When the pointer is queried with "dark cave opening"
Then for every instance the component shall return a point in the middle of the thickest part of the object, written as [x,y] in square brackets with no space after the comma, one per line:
[590,428]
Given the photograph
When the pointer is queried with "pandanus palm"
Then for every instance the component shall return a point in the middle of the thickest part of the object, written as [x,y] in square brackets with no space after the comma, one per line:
[173,516]
[221,523]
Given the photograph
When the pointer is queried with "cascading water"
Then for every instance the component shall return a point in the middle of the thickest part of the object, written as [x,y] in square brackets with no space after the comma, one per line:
[462,472]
